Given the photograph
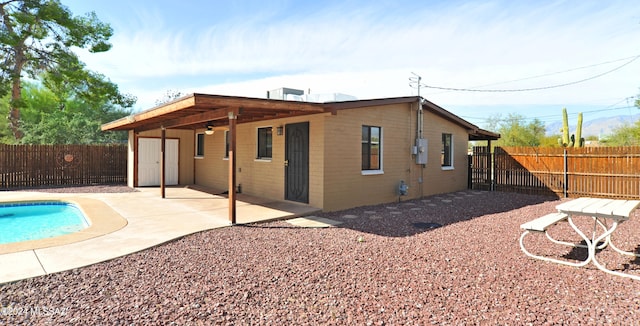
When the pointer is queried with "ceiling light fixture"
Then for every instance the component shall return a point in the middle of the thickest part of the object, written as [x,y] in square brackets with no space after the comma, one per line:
[209,130]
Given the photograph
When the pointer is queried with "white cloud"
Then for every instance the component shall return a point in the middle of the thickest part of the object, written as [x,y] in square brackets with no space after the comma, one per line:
[370,53]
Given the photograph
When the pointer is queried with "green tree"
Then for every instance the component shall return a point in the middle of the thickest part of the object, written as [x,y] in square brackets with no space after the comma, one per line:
[169,96]
[626,135]
[6,137]
[515,132]
[551,141]
[36,37]
[48,120]
[493,122]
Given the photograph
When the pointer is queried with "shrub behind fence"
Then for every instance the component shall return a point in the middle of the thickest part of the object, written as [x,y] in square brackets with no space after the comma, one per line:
[24,166]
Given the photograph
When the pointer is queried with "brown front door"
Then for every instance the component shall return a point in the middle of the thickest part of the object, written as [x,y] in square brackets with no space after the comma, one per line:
[297,162]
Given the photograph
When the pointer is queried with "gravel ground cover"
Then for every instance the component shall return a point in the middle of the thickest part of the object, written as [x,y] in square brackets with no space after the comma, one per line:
[385,265]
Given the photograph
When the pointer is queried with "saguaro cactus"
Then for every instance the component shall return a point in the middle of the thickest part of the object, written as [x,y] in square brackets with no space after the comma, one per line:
[566,140]
[579,141]
[571,140]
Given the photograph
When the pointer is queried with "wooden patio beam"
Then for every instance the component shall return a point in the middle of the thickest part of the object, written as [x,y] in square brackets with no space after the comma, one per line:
[168,108]
[255,103]
[218,114]
[203,117]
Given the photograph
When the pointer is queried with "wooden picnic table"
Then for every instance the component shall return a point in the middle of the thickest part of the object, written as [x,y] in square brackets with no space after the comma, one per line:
[603,211]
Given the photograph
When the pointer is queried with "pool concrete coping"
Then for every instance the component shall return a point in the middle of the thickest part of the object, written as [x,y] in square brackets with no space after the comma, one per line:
[101,217]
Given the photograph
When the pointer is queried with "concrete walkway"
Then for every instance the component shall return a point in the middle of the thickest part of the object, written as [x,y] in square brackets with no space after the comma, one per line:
[151,220]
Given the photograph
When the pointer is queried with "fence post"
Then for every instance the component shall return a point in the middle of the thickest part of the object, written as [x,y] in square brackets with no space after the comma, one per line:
[566,174]
[492,161]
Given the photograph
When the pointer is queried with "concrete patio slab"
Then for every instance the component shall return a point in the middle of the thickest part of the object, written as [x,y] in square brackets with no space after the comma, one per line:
[20,265]
[313,222]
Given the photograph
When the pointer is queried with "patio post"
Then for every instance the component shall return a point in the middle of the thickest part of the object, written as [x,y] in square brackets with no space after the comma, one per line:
[491,176]
[233,116]
[163,134]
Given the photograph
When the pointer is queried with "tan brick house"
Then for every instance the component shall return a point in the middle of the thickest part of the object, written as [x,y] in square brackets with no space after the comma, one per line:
[332,155]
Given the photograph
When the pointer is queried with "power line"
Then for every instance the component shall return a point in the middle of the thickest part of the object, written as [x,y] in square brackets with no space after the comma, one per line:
[538,88]
[557,117]
[557,72]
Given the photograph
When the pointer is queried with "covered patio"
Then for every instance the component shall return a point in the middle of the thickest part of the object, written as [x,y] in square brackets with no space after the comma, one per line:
[197,111]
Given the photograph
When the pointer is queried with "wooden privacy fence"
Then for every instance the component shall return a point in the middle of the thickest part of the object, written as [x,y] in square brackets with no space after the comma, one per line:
[572,172]
[23,166]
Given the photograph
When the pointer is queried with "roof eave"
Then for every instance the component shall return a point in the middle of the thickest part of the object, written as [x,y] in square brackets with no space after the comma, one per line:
[206,104]
[129,122]
[475,133]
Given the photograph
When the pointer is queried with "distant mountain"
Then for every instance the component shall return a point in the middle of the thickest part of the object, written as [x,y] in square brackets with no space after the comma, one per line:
[595,127]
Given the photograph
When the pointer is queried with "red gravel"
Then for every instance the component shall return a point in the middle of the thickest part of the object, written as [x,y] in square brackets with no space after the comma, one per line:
[470,271]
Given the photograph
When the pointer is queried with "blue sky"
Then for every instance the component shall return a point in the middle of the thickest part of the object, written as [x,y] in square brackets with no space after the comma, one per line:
[369,49]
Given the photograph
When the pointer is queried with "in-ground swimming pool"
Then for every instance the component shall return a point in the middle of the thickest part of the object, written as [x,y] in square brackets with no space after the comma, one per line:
[39,220]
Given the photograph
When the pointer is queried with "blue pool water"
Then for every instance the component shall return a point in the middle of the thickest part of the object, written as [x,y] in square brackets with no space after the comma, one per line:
[39,220]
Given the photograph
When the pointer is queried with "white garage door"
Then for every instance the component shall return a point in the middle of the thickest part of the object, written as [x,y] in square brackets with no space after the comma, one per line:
[149,162]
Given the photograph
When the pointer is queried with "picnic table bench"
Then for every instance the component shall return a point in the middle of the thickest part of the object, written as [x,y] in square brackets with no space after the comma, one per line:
[542,223]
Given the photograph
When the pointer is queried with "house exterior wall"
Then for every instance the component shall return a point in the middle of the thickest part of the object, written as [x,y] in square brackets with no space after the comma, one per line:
[439,180]
[264,178]
[212,169]
[347,186]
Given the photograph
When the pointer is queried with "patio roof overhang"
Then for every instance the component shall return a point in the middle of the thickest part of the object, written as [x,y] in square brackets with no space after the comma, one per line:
[201,110]
[197,110]
[481,134]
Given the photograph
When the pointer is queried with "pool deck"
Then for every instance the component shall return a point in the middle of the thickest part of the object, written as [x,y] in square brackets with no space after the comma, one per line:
[150,221]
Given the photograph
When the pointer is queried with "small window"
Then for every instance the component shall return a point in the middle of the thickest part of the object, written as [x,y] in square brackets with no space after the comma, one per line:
[264,143]
[371,148]
[227,144]
[200,145]
[446,159]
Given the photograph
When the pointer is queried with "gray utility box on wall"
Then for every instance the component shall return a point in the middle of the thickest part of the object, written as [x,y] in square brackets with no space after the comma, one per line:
[420,150]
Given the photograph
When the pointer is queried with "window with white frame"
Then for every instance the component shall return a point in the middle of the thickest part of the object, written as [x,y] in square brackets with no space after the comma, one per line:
[446,159]
[265,138]
[371,148]
[199,144]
